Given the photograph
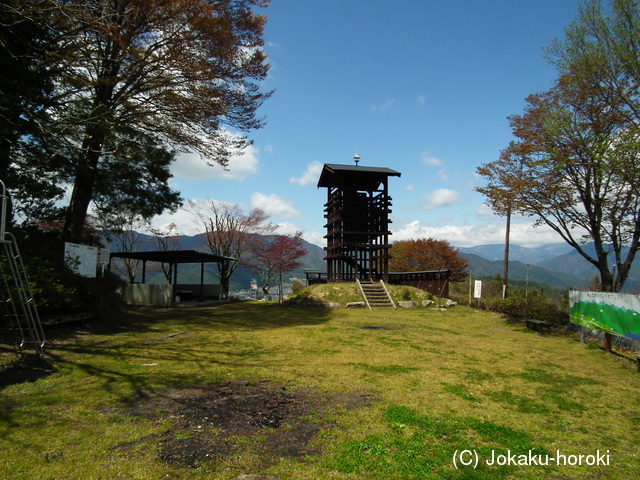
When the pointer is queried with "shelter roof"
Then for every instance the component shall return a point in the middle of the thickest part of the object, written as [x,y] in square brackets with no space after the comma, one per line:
[174,256]
[334,174]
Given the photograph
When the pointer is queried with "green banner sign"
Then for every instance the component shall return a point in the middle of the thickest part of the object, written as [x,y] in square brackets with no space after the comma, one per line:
[616,313]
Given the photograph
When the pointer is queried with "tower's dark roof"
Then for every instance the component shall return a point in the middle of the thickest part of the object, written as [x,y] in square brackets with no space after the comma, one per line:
[334,175]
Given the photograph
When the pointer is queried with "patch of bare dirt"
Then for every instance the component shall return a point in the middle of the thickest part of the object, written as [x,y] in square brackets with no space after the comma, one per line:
[261,418]
[378,327]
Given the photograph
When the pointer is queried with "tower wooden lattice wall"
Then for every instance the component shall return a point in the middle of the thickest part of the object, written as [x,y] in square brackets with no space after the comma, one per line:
[357,214]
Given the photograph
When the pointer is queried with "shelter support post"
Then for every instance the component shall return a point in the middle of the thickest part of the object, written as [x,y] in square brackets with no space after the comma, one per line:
[201,282]
[175,282]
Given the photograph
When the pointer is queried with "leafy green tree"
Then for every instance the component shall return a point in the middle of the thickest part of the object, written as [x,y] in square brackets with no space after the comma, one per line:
[134,177]
[28,54]
[602,49]
[138,76]
[574,165]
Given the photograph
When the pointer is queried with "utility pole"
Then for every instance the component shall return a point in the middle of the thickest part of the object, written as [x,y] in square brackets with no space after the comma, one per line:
[505,286]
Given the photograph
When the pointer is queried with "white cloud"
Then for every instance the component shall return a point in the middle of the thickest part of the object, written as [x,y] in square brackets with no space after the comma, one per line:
[410,188]
[422,100]
[310,175]
[193,167]
[526,235]
[317,238]
[523,234]
[484,210]
[443,197]
[386,105]
[287,228]
[430,161]
[185,224]
[274,205]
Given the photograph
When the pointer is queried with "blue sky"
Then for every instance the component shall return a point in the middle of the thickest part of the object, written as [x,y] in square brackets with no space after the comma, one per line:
[420,86]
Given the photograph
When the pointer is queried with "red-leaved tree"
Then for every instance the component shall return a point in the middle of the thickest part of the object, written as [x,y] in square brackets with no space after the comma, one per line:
[278,257]
[427,254]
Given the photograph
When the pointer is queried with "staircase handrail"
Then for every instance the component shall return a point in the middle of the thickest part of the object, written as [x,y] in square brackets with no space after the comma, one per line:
[388,295]
[366,300]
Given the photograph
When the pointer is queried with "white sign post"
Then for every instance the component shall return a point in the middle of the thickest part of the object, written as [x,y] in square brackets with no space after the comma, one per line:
[82,259]
[477,290]
[104,257]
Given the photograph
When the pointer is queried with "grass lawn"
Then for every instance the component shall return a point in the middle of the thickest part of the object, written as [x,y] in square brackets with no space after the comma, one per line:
[265,391]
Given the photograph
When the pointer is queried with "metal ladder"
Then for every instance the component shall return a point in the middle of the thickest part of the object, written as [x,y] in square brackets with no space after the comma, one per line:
[17,307]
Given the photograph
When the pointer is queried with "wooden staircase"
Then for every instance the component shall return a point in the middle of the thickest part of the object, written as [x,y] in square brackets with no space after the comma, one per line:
[375,294]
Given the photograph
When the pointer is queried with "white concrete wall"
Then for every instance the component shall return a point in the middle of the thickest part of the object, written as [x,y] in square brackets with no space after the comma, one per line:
[139,294]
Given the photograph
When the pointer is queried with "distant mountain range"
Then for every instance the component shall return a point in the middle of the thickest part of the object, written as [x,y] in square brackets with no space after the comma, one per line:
[517,253]
[557,265]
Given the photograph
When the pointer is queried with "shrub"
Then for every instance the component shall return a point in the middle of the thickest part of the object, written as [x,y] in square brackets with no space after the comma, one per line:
[296,286]
[59,290]
[536,303]
[55,288]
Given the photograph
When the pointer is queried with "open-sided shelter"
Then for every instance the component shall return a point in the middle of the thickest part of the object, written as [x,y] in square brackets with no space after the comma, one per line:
[172,258]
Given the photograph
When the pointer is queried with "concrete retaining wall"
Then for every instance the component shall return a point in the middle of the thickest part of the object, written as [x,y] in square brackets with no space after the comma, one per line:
[139,294]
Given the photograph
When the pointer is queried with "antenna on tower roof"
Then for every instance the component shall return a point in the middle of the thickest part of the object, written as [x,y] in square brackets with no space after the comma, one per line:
[356,157]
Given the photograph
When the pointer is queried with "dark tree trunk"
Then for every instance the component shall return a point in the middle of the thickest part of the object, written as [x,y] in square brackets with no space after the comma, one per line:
[86,173]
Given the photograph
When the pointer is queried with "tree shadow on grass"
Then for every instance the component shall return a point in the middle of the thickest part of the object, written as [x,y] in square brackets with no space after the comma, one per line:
[254,316]
[229,316]
[27,368]
[126,347]
[111,354]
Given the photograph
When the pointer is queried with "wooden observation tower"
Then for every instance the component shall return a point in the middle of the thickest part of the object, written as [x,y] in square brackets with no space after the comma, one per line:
[357,212]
